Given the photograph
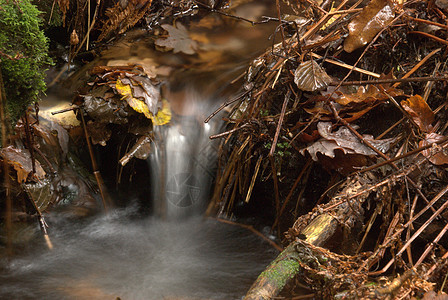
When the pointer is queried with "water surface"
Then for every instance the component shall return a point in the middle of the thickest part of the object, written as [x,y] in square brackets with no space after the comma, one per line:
[115,256]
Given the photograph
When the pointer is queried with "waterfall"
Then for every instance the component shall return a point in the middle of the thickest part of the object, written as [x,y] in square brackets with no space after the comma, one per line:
[183,159]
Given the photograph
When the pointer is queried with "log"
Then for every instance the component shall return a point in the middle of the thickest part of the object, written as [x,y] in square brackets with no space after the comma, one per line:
[288,263]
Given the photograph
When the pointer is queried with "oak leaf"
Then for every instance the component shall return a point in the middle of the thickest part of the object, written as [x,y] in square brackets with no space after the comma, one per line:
[178,40]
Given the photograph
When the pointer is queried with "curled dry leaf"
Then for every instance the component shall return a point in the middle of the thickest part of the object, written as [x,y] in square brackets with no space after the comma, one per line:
[373,18]
[21,161]
[436,155]
[178,40]
[309,76]
[368,94]
[420,112]
[343,139]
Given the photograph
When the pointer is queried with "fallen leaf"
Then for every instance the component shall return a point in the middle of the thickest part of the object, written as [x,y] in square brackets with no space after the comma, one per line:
[436,155]
[420,112]
[99,132]
[21,161]
[138,105]
[368,94]
[309,76]
[344,140]
[163,116]
[364,27]
[178,40]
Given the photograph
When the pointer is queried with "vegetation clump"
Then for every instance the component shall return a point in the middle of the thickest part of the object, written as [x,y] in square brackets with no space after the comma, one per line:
[23,54]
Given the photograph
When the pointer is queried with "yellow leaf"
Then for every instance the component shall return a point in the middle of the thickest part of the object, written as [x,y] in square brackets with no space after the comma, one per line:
[124,89]
[163,116]
[138,105]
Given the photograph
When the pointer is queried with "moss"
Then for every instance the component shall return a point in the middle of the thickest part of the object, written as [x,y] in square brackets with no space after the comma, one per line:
[284,270]
[23,55]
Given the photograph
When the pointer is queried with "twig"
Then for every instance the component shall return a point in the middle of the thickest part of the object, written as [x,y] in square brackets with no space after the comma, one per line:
[6,180]
[271,152]
[42,223]
[233,100]
[96,172]
[344,65]
[279,15]
[398,80]
[44,158]
[291,191]
[73,108]
[215,136]
[441,142]
[419,231]
[430,36]
[427,22]
[418,65]
[29,141]
[252,229]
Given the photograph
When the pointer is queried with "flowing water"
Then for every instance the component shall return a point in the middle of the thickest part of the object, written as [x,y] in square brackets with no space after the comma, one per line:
[115,256]
[174,255]
[183,160]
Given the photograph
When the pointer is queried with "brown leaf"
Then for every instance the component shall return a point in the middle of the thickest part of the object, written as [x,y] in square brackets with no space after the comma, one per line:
[374,17]
[434,154]
[178,40]
[99,132]
[344,140]
[309,76]
[367,94]
[420,112]
[21,161]
[146,90]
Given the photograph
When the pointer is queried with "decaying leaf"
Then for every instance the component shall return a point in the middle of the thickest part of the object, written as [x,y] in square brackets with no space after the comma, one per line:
[420,112]
[41,192]
[368,94]
[309,76]
[344,140]
[99,132]
[435,155]
[163,116]
[21,161]
[178,40]
[351,106]
[374,17]
[138,105]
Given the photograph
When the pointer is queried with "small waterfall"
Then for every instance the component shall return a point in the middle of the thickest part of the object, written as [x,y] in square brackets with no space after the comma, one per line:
[183,159]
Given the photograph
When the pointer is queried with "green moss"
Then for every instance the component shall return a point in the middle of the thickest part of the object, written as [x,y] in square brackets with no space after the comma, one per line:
[23,54]
[284,270]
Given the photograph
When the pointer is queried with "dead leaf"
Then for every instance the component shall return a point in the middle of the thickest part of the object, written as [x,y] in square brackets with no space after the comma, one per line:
[344,140]
[363,28]
[435,155]
[420,112]
[368,94]
[178,40]
[309,76]
[99,132]
[21,161]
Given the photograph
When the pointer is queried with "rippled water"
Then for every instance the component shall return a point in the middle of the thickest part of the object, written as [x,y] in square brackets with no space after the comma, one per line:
[115,256]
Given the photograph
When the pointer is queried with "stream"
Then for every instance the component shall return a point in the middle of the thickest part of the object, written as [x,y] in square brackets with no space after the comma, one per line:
[124,255]
[118,256]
